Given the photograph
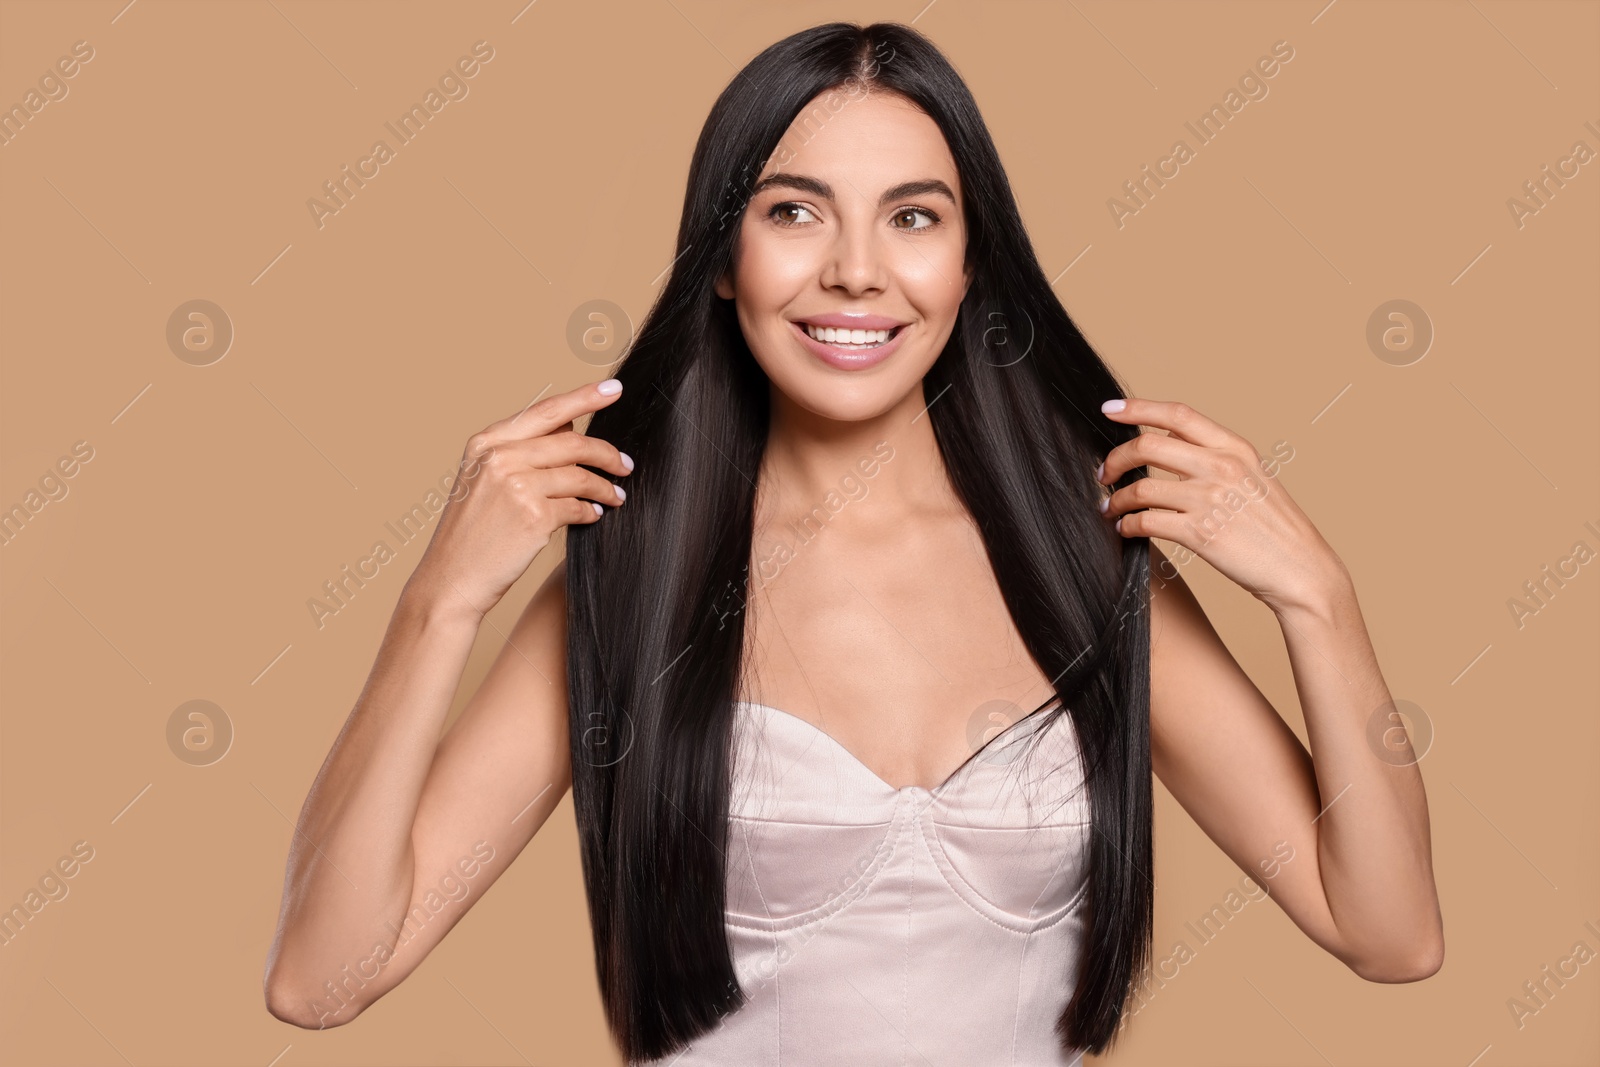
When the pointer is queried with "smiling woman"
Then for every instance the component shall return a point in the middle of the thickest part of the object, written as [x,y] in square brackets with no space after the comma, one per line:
[793,846]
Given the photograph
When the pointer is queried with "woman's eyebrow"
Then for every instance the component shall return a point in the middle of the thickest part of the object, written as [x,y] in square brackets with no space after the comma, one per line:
[819,188]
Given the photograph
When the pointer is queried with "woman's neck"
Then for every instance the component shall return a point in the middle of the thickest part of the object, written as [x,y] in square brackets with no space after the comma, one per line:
[887,468]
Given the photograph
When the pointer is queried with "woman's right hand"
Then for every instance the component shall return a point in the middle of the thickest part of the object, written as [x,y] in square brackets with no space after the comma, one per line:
[518,483]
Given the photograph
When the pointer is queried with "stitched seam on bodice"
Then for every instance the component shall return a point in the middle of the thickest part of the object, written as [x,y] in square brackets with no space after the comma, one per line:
[1021,926]
[897,832]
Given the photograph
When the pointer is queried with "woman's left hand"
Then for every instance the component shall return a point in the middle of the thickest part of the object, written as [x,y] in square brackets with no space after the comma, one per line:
[1225,507]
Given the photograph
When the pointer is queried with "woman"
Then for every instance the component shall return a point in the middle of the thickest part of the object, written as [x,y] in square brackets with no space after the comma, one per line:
[816,821]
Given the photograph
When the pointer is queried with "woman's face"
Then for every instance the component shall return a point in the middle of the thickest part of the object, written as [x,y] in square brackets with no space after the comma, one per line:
[862,218]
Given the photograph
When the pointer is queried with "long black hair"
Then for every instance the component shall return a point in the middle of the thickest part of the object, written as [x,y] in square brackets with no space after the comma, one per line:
[654,640]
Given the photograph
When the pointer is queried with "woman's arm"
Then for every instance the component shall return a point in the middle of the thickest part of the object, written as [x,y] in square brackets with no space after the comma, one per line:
[1339,836]
[402,830]
[1341,840]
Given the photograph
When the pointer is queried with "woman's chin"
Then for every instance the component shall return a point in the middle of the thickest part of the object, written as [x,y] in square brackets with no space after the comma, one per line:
[826,397]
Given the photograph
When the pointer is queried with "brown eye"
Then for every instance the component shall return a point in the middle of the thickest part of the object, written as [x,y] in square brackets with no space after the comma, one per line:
[911,213]
[785,208]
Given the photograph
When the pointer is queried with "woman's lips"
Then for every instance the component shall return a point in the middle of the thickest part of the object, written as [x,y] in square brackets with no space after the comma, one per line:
[847,359]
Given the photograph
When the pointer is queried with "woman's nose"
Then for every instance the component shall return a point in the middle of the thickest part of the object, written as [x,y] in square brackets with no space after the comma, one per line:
[855,262]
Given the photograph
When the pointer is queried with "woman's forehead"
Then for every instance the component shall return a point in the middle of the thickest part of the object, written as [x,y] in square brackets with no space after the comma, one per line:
[881,139]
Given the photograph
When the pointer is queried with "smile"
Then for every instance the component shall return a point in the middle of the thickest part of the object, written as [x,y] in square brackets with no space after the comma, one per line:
[849,340]
[849,349]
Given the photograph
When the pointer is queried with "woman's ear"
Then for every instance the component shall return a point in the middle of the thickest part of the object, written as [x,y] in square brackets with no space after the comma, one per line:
[724,287]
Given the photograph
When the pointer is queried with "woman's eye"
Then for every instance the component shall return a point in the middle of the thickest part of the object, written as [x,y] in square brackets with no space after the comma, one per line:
[913,211]
[786,208]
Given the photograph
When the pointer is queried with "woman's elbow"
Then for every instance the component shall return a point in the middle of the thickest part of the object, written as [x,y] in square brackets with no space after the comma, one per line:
[1412,966]
[290,1004]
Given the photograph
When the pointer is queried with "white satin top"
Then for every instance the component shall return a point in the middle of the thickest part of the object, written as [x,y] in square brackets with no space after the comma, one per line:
[883,926]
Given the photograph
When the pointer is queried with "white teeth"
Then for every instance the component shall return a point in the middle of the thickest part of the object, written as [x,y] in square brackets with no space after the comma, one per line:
[832,335]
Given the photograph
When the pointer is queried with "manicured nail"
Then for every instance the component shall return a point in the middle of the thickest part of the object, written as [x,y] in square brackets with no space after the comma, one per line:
[1105,504]
[1113,405]
[620,492]
[1100,472]
[598,510]
[1118,524]
[609,387]
[627,460]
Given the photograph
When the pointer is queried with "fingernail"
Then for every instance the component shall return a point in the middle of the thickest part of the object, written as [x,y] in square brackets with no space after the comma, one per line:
[609,387]
[1113,405]
[1105,504]
[598,510]
[627,460]
[620,492]
[1100,471]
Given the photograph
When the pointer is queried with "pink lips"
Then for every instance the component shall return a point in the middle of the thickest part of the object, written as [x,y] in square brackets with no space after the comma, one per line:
[846,359]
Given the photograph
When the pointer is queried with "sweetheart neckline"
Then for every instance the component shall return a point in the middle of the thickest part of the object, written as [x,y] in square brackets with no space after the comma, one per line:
[904,789]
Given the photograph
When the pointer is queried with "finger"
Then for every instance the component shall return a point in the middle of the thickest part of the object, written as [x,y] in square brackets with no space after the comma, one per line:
[1176,417]
[545,416]
[575,512]
[566,448]
[557,482]
[1150,493]
[1162,524]
[1153,450]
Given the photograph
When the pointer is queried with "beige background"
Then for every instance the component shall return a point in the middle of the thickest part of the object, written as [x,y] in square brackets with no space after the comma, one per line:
[219,498]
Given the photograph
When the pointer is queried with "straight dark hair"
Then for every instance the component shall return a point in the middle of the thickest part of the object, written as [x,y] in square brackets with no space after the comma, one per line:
[654,636]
